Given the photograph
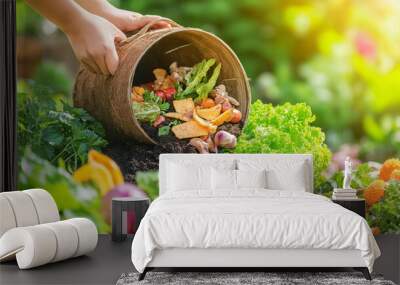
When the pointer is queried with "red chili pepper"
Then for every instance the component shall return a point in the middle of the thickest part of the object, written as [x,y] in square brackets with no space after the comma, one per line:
[149,86]
[160,119]
[161,94]
[169,93]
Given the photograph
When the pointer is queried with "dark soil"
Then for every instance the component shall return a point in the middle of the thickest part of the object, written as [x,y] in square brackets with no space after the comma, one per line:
[133,156]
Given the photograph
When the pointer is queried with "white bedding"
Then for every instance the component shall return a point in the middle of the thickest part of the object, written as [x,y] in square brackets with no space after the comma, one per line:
[252,218]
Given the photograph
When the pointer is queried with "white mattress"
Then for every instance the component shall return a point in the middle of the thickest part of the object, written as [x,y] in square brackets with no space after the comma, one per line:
[252,219]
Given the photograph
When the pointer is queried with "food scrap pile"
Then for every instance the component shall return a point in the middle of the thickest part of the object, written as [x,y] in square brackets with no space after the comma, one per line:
[186,102]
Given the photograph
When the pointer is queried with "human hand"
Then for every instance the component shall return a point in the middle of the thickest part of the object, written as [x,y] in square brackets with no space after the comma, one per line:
[94,40]
[126,21]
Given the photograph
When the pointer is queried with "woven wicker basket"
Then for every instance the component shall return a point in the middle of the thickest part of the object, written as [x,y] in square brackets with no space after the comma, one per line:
[107,98]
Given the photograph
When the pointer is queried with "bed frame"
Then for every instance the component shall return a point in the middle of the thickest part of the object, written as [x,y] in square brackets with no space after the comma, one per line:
[242,259]
[246,258]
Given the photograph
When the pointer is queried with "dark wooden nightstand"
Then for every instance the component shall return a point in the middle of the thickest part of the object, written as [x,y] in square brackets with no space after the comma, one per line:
[357,206]
[127,212]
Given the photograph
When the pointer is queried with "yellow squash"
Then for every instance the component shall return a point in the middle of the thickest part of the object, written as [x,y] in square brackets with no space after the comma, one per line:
[209,113]
[224,117]
[211,127]
[97,173]
[112,167]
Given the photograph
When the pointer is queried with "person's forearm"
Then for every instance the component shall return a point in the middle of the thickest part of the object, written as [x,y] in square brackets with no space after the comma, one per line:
[98,7]
[105,9]
[63,13]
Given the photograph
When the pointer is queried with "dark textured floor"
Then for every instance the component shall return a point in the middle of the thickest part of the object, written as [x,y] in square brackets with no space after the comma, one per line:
[110,259]
[103,266]
[252,278]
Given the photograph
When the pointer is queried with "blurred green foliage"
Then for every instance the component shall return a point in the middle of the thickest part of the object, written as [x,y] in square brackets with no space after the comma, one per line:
[386,213]
[340,57]
[148,182]
[362,177]
[72,198]
[28,21]
[56,131]
[55,78]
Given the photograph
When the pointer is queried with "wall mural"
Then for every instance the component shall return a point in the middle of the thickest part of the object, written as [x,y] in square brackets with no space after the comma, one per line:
[330,88]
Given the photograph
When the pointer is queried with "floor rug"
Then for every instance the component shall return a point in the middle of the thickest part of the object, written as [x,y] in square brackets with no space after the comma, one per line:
[244,278]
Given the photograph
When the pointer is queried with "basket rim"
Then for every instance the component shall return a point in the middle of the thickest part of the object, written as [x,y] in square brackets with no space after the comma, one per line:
[165,33]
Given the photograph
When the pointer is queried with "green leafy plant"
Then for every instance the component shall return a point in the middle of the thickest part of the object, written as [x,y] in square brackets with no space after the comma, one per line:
[150,97]
[55,77]
[57,132]
[386,213]
[148,182]
[164,130]
[284,129]
[72,199]
[196,76]
[146,111]
[204,88]
[197,85]
[361,178]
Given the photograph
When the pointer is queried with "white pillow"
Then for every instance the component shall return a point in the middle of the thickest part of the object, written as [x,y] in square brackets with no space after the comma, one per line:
[204,161]
[293,180]
[223,179]
[251,178]
[283,174]
[183,177]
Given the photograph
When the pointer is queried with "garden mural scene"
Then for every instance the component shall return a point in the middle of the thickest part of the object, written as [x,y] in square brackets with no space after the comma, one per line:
[324,79]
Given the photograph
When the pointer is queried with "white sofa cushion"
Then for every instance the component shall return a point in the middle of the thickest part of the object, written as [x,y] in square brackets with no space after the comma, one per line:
[45,206]
[7,220]
[32,246]
[40,244]
[67,240]
[26,208]
[87,235]
[22,207]
[31,232]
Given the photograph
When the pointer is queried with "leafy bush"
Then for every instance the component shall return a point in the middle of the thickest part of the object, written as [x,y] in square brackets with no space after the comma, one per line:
[29,22]
[284,129]
[56,131]
[55,77]
[382,138]
[386,214]
[72,199]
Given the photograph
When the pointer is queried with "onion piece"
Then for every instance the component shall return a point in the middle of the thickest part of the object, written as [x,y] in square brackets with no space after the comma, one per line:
[224,139]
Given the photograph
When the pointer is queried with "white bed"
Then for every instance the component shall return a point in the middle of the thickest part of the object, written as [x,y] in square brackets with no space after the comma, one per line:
[280,225]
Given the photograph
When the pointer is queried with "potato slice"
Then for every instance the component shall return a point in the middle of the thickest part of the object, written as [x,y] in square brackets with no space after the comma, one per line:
[178,116]
[189,129]
[183,106]
[209,113]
